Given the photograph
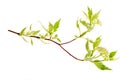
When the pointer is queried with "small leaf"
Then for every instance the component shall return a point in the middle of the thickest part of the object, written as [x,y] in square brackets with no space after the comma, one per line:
[50,28]
[77,24]
[31,41]
[35,32]
[98,22]
[22,31]
[100,65]
[43,27]
[87,47]
[103,52]
[85,14]
[83,33]
[56,25]
[89,13]
[76,36]
[91,41]
[58,39]
[112,54]
[87,25]
[31,27]
[28,33]
[97,42]
[95,16]
[24,39]
[55,36]
[89,52]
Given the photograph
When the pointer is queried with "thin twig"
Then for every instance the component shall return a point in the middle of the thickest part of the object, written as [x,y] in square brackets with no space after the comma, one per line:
[60,45]
[68,42]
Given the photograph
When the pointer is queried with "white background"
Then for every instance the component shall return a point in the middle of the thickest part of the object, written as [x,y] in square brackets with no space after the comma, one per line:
[21,61]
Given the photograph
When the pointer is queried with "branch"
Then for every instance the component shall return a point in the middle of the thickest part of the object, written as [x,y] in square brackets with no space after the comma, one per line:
[68,42]
[60,45]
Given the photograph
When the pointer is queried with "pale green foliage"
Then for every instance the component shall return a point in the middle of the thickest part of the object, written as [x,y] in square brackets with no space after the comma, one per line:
[30,32]
[103,52]
[22,32]
[31,41]
[100,65]
[93,49]
[50,32]
[97,42]
[112,54]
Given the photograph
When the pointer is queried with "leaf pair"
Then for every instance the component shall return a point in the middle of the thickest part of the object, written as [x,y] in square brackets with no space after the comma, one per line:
[91,49]
[29,32]
[100,65]
[52,28]
[92,17]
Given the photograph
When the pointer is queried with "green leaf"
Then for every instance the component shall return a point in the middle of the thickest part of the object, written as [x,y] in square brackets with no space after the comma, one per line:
[96,15]
[112,54]
[77,24]
[22,31]
[100,65]
[97,42]
[89,52]
[58,39]
[89,13]
[85,14]
[24,39]
[56,25]
[30,27]
[43,27]
[98,22]
[91,41]
[31,41]
[103,52]
[87,47]
[33,33]
[55,36]
[76,36]
[87,25]
[83,34]
[50,28]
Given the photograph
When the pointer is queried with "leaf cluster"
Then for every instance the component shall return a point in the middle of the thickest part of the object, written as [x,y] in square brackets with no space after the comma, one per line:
[51,31]
[97,54]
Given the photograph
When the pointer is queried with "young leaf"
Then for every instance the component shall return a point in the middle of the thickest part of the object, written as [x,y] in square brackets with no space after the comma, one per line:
[112,54]
[56,25]
[58,39]
[89,13]
[50,28]
[87,47]
[85,14]
[76,36]
[31,27]
[31,41]
[35,32]
[103,52]
[98,22]
[87,25]
[24,39]
[100,65]
[83,33]
[97,42]
[43,27]
[77,24]
[22,31]
[95,16]
[91,41]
